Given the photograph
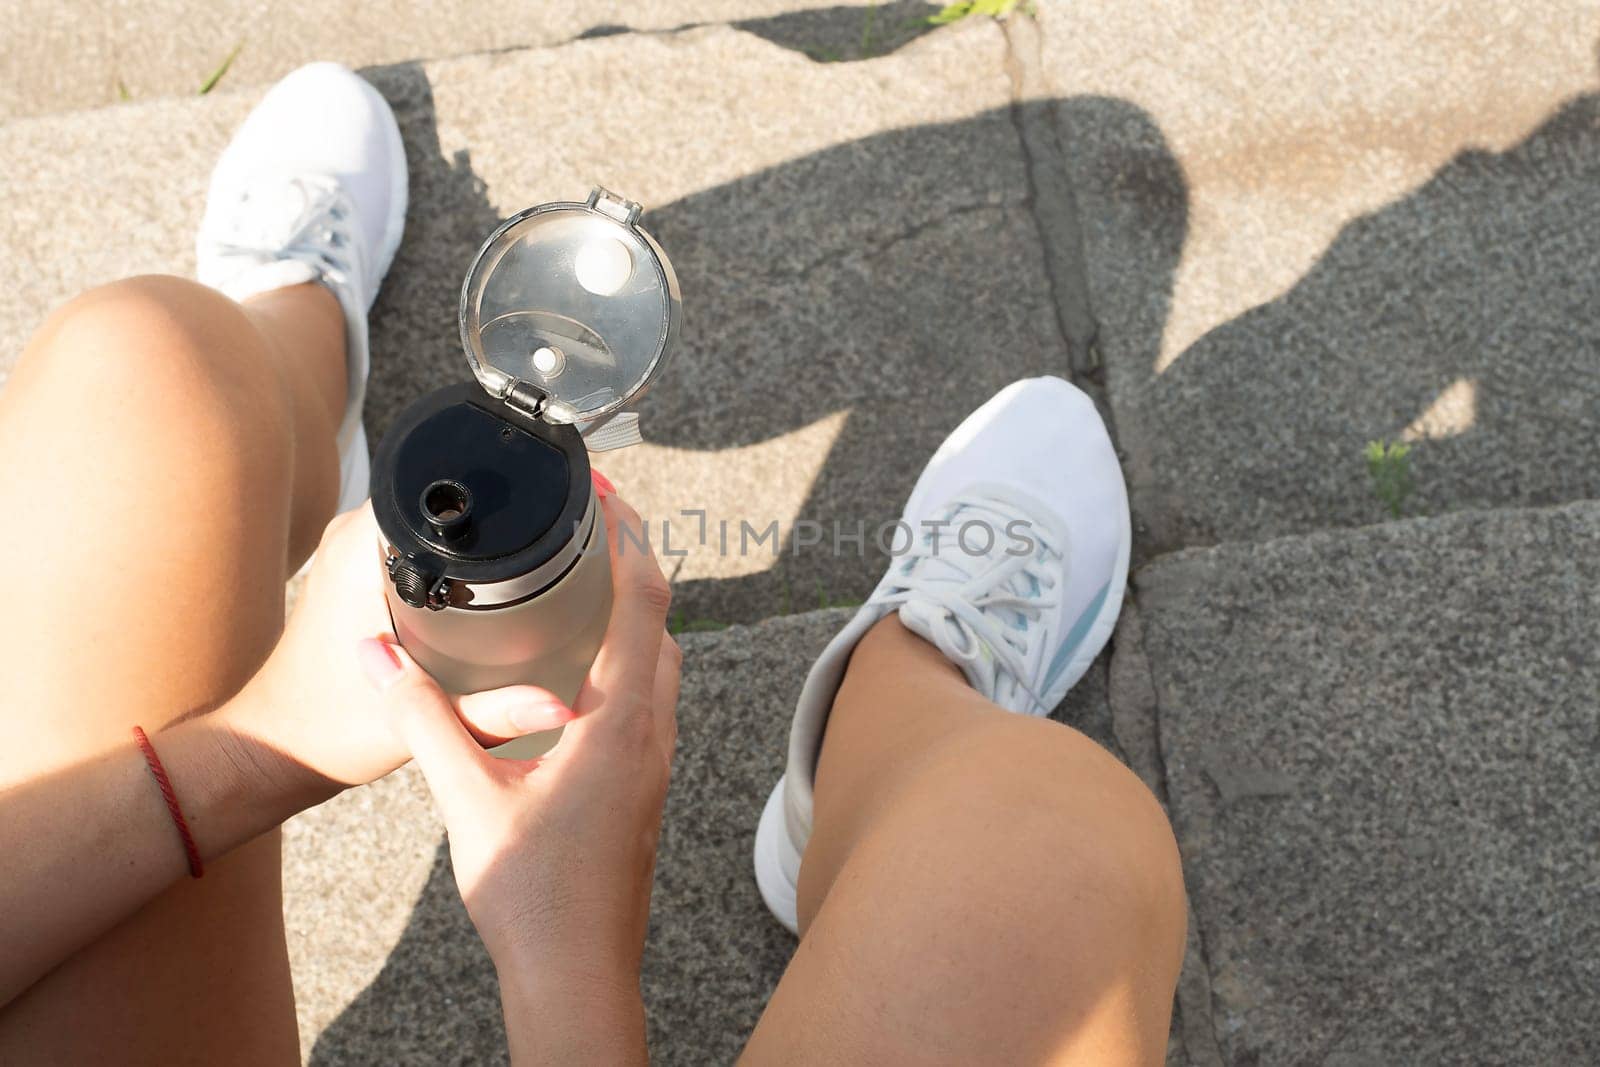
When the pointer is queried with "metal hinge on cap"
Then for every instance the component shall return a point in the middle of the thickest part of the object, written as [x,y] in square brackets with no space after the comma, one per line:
[620,429]
[526,398]
[608,203]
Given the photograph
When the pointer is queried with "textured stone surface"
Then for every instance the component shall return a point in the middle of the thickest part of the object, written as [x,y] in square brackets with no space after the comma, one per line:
[389,969]
[1309,228]
[103,51]
[859,263]
[1379,752]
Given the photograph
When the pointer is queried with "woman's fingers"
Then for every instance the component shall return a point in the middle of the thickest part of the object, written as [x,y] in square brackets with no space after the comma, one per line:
[350,540]
[665,701]
[497,715]
[424,719]
[621,682]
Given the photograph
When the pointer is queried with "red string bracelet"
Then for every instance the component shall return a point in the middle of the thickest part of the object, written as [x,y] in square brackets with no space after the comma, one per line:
[190,849]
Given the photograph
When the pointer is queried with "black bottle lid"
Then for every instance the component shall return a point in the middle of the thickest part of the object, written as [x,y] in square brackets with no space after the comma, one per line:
[469,490]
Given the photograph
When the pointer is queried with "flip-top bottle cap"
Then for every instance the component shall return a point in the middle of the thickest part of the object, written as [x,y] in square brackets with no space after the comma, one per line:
[570,310]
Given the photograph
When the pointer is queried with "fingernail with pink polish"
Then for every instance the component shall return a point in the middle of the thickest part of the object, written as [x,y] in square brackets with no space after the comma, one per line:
[378,662]
[602,484]
[531,717]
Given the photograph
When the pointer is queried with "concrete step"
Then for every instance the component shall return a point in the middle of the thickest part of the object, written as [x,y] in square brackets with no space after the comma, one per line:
[1378,749]
[388,968]
[860,262]
[84,55]
[1309,228]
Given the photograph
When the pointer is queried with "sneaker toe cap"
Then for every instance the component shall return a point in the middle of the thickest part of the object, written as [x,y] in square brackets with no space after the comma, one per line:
[325,119]
[1042,434]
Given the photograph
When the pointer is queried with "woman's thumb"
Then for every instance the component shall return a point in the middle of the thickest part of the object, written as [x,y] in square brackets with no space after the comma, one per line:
[422,717]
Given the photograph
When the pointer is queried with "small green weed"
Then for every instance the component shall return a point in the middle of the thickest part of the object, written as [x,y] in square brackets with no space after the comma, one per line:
[967,8]
[680,625]
[1389,464]
[216,75]
[866,29]
[824,603]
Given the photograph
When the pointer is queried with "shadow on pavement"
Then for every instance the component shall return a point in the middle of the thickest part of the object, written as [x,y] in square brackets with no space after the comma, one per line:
[842,34]
[1463,317]
[831,34]
[812,289]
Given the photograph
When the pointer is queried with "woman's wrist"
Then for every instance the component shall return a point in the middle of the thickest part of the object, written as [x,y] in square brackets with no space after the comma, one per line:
[555,1015]
[231,780]
[96,841]
[257,726]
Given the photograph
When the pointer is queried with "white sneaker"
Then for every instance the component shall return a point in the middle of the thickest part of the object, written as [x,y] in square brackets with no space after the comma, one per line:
[1023,612]
[312,188]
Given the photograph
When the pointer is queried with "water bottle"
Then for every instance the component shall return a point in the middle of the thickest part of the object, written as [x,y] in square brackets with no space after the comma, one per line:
[492,538]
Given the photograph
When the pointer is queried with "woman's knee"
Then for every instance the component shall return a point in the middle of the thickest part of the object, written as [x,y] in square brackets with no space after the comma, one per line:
[1058,816]
[1022,878]
[152,334]
[162,351]
[162,385]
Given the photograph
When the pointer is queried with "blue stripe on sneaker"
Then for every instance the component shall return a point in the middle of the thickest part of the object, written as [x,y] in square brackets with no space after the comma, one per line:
[1074,638]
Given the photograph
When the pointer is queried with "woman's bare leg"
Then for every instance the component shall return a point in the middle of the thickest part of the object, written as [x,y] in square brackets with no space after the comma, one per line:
[167,457]
[979,887]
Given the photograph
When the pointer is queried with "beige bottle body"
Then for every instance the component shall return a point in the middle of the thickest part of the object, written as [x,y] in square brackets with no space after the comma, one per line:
[549,640]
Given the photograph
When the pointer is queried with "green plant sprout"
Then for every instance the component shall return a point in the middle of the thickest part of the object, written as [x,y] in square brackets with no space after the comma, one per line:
[824,602]
[876,38]
[216,75]
[677,624]
[1389,464]
[866,29]
[966,8]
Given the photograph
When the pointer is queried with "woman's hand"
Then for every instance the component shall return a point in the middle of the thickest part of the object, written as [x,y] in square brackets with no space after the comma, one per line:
[554,856]
[311,713]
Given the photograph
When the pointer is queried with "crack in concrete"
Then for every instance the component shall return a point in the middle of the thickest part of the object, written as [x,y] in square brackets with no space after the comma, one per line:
[1136,723]
[1130,686]
[1051,201]
[1053,204]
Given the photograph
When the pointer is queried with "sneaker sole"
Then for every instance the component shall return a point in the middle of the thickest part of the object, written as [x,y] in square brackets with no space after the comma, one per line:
[778,890]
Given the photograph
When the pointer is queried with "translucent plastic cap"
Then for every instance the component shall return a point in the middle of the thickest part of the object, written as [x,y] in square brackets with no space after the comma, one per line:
[570,310]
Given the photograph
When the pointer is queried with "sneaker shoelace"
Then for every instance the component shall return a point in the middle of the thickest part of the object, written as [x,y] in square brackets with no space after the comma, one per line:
[987,604]
[306,217]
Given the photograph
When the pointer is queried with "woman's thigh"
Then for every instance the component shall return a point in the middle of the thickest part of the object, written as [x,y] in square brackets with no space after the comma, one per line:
[146,469]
